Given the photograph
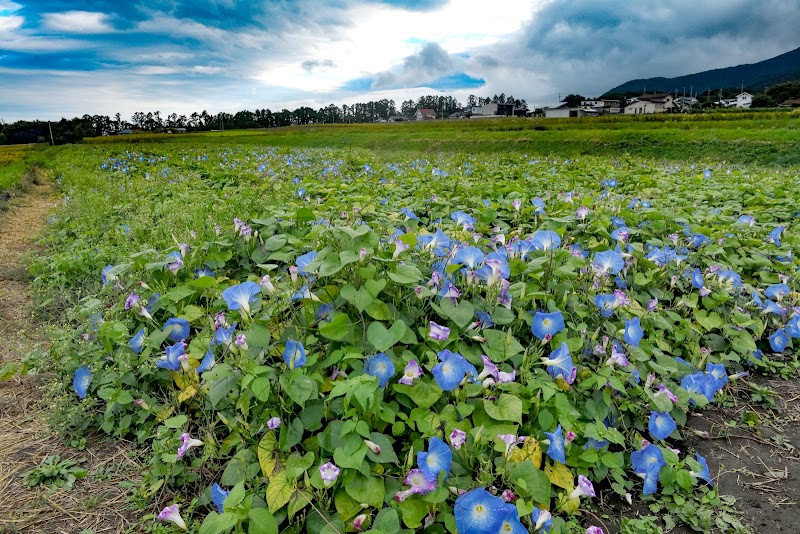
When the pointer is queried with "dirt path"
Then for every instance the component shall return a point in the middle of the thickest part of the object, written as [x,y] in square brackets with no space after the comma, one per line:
[97,503]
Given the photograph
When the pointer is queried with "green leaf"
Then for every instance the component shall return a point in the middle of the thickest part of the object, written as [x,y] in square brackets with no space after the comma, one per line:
[274,243]
[530,481]
[235,497]
[215,523]
[359,298]
[300,388]
[387,454]
[291,434]
[176,422]
[500,346]
[219,389]
[330,265]
[708,321]
[379,311]
[423,393]
[367,490]
[383,339]
[387,521]
[262,522]
[461,313]
[260,388]
[279,491]
[338,329]
[414,510]
[305,215]
[346,506]
[507,408]
[406,275]
[191,312]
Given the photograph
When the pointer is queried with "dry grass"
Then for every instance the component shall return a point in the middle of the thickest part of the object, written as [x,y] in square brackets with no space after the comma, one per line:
[99,501]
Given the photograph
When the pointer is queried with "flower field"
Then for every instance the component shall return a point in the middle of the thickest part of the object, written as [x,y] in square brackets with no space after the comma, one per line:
[333,341]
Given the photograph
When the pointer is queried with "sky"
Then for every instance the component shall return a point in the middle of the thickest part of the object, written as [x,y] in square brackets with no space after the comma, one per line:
[66,58]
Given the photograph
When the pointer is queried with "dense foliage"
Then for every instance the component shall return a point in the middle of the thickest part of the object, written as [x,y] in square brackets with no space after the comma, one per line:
[330,342]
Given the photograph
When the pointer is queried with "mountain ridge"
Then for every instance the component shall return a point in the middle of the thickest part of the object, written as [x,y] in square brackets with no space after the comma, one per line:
[754,76]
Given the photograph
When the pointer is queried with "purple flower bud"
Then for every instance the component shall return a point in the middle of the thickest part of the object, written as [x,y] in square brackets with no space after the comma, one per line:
[438,332]
[570,437]
[652,304]
[508,496]
[457,438]
[374,447]
[274,423]
[172,513]
[358,522]
[132,300]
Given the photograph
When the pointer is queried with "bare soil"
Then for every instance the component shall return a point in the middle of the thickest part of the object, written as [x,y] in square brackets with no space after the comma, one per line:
[97,503]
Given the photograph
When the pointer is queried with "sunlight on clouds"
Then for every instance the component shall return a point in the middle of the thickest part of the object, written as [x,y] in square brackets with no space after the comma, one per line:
[10,23]
[77,22]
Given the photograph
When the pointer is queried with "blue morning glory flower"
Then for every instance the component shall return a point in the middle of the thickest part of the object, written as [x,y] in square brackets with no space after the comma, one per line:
[171,360]
[478,512]
[793,326]
[609,261]
[81,380]
[438,242]
[547,324]
[661,425]
[600,445]
[178,328]
[509,522]
[698,240]
[618,222]
[205,271]
[469,256]
[609,182]
[522,248]
[773,307]
[294,354]
[485,319]
[137,341]
[464,219]
[606,303]
[438,458]
[777,291]
[621,234]
[746,219]
[633,332]
[542,520]
[697,279]
[380,366]
[410,214]
[559,364]
[700,384]
[452,369]
[241,295]
[106,276]
[779,341]
[545,240]
[556,448]
[707,174]
[647,463]
[218,496]
[538,205]
[324,311]
[303,293]
[775,235]
[730,277]
[223,336]
[207,362]
[303,262]
[717,370]
[704,473]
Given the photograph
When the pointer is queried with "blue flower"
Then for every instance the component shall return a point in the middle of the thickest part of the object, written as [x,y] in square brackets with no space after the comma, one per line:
[486,319]
[469,256]
[479,512]
[541,518]
[777,291]
[730,277]
[106,275]
[556,448]
[438,242]
[380,366]
[303,293]
[700,384]
[647,463]
[560,362]
[717,370]
[241,296]
[137,341]
[775,235]
[746,219]
[618,222]
[303,262]
[178,328]
[509,522]
[437,459]
[294,354]
[606,303]
[698,240]
[81,380]
[704,473]
[465,220]
[171,360]
[793,326]
[223,336]
[452,369]
[661,425]
[324,311]
[410,214]
[205,271]
[547,323]
[218,496]
[697,279]
[538,205]
[633,332]
[779,341]
[207,362]
[522,248]
[609,261]
[545,240]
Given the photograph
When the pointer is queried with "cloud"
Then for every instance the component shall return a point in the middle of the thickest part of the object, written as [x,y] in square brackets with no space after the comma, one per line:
[318,64]
[85,22]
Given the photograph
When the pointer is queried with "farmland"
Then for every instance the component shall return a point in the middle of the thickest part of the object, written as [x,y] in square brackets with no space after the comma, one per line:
[401,327]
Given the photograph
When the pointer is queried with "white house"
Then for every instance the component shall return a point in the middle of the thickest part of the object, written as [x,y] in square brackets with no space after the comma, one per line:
[744,100]
[651,103]
[425,114]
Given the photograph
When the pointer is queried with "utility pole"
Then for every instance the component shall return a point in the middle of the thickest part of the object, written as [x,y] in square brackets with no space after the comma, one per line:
[50,127]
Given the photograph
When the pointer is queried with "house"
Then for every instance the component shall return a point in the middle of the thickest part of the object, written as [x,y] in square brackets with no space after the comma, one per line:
[793,103]
[744,100]
[398,118]
[562,110]
[601,106]
[495,109]
[425,114]
[126,131]
[651,103]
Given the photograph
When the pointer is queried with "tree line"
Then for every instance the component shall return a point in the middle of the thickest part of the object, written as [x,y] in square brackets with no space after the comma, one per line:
[73,130]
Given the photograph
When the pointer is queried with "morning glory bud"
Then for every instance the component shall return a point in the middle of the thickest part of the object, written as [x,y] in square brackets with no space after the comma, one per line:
[362,254]
[172,513]
[273,423]
[508,495]
[187,442]
[457,438]
[585,487]
[374,447]
[358,522]
[266,283]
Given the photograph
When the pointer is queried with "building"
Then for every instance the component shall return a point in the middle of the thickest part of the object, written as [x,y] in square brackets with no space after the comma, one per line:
[744,100]
[601,106]
[651,103]
[398,118]
[497,109]
[562,110]
[425,114]
[792,103]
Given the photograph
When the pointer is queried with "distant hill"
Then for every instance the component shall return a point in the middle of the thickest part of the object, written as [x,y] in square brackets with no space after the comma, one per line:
[754,76]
